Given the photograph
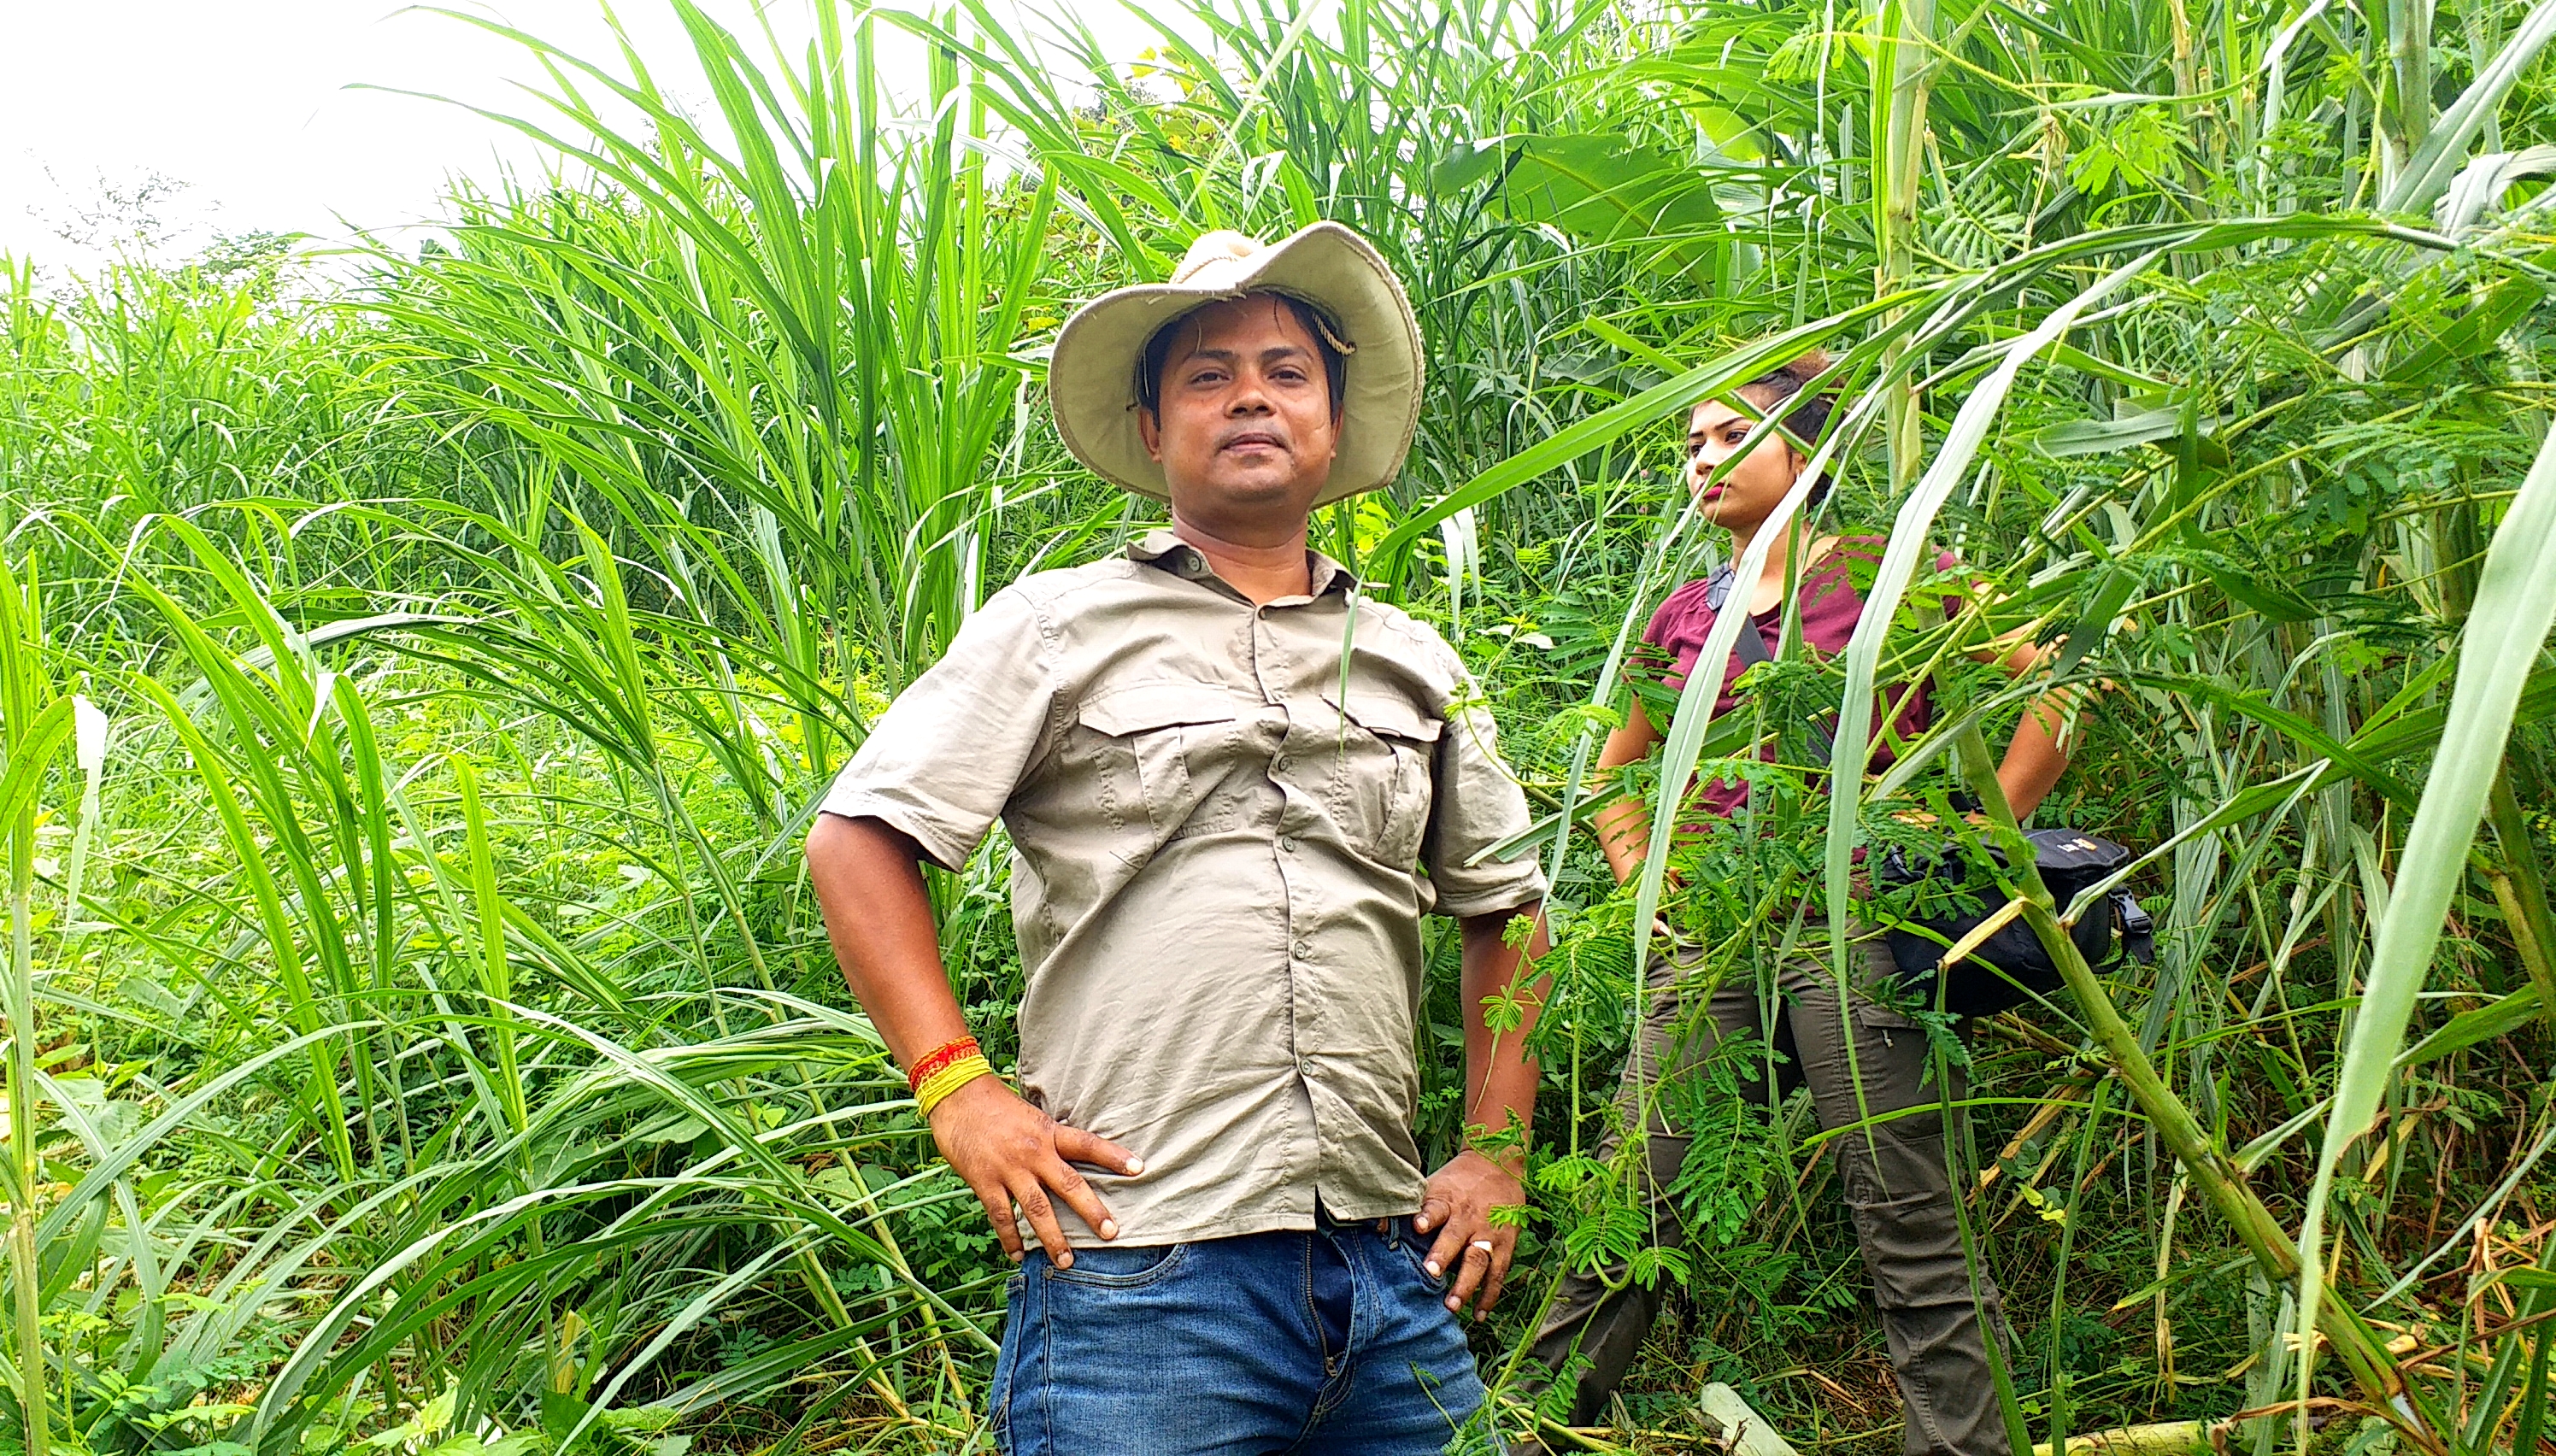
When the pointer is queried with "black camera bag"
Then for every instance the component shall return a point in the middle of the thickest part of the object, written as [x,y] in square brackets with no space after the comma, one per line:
[2069,862]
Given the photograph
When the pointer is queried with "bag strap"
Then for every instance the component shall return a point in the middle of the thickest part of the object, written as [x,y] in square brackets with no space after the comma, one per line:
[1752,646]
[2138,929]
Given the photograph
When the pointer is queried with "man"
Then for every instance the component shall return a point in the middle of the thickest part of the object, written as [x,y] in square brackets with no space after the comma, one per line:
[1234,786]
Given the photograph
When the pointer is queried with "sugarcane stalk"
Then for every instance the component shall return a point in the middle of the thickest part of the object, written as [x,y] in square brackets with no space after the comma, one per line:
[2165,1438]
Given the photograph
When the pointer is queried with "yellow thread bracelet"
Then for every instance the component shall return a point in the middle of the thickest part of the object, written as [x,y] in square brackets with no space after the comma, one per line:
[935,1089]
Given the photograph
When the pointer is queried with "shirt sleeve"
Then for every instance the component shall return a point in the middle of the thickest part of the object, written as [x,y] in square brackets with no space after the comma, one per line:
[1476,803]
[1672,639]
[945,759]
[1682,621]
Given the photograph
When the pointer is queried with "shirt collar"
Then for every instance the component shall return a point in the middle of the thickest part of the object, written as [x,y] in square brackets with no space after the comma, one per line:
[1160,546]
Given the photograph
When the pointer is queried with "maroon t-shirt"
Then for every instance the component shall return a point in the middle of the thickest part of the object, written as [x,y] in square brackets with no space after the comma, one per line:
[1831,606]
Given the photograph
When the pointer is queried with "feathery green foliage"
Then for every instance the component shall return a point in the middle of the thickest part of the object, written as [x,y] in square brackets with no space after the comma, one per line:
[412,695]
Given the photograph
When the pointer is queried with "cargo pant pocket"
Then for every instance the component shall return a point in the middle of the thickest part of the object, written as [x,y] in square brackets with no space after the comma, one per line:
[1912,1248]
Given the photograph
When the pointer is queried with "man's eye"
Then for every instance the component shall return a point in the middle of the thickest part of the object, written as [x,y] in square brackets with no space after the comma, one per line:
[1733,436]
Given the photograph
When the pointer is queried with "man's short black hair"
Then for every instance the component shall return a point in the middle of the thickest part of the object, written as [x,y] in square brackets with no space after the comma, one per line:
[1158,354]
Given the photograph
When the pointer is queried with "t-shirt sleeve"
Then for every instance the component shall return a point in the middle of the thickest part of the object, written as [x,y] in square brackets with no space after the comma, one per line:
[1672,637]
[944,760]
[1476,803]
[1672,626]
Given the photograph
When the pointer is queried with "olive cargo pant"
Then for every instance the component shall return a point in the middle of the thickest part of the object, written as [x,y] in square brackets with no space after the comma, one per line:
[1893,1178]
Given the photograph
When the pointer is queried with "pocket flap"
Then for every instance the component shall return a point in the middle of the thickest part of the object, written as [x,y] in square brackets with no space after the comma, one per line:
[1143,706]
[1389,717]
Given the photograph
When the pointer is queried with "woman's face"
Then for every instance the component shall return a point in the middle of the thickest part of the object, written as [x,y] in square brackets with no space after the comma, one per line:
[1747,493]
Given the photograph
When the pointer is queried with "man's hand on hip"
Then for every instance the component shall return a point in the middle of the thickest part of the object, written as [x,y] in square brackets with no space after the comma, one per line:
[1009,1152]
[1456,1206]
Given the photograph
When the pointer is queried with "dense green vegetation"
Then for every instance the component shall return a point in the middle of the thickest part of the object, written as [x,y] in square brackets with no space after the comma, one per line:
[413,692]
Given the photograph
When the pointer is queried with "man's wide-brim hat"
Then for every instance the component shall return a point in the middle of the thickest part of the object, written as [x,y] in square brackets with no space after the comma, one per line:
[1092,376]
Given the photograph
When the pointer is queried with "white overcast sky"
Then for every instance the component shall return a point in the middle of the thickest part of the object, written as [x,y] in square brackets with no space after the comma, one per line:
[256,105]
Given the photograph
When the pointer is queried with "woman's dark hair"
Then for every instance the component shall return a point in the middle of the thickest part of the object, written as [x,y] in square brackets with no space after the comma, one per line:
[1326,344]
[1804,421]
[1770,390]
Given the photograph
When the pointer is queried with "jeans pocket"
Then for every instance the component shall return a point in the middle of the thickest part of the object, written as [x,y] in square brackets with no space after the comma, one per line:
[1415,1252]
[1111,1268]
[998,1399]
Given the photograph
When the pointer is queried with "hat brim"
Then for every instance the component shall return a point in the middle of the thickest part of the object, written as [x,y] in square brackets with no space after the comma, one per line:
[1092,376]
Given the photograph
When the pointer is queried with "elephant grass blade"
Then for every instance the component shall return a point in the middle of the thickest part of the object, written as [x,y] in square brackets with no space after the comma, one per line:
[2515,605]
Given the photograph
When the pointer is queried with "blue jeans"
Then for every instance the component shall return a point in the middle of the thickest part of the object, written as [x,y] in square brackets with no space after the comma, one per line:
[1329,1340]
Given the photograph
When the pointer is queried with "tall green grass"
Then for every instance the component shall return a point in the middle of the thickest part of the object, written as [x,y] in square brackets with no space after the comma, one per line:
[411,697]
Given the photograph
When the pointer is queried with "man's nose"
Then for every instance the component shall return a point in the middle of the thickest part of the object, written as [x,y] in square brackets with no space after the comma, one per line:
[1251,397]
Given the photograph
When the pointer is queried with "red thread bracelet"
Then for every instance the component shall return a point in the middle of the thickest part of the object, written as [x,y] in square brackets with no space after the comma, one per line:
[938,1059]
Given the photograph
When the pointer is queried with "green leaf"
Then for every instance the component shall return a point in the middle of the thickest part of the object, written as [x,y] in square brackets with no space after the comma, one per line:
[2438,159]
[1608,192]
[2470,334]
[2101,436]
[2499,1017]
[2515,605]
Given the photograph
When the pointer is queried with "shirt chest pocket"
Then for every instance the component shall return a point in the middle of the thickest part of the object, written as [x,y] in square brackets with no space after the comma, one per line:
[1383,775]
[1162,749]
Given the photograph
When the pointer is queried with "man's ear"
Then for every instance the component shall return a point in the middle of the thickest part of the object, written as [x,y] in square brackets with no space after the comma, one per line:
[1149,429]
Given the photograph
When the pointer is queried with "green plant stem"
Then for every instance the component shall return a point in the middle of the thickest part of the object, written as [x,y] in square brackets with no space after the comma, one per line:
[29,739]
[1900,86]
[2520,889]
[25,1271]
[2406,119]
[2219,1178]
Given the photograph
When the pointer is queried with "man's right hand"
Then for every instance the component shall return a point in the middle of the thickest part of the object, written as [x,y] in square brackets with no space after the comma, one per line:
[1009,1152]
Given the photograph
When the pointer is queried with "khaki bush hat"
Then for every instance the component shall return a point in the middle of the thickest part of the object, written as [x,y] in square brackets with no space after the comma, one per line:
[1091,378]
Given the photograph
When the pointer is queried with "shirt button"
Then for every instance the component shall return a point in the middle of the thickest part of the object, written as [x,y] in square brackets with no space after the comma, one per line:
[1278,766]
[1288,844]
[1304,948]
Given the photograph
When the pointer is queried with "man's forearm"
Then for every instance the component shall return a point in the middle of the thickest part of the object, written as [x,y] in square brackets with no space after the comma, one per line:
[1010,1155]
[869,878]
[1500,1075]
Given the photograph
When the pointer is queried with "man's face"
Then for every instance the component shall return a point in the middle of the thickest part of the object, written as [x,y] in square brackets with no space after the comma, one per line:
[1246,435]
[1748,492]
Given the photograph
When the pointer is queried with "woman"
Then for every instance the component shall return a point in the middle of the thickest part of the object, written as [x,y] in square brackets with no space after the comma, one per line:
[1894,1173]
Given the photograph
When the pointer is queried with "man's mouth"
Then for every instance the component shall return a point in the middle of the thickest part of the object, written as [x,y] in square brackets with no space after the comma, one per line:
[1251,440]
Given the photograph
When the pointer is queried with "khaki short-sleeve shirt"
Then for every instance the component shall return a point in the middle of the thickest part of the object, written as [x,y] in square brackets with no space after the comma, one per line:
[1223,844]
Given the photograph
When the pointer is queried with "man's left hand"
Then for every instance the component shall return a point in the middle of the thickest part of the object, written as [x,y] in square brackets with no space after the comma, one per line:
[1456,1206]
